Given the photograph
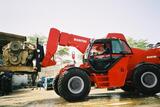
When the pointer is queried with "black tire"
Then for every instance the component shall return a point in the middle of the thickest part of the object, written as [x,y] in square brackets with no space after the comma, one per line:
[55,85]
[128,88]
[146,79]
[68,88]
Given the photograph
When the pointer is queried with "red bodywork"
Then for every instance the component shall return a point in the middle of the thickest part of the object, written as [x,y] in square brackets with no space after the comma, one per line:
[117,75]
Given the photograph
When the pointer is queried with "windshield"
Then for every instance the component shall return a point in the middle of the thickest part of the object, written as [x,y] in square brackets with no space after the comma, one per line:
[88,50]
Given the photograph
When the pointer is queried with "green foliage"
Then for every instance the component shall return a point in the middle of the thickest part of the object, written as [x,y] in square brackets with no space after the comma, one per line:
[43,39]
[33,38]
[141,43]
[63,51]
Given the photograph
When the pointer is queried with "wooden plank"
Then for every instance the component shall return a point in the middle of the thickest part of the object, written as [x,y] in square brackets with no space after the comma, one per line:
[20,69]
[11,37]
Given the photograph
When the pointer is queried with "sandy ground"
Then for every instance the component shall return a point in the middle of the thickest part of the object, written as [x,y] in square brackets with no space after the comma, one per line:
[97,97]
[24,96]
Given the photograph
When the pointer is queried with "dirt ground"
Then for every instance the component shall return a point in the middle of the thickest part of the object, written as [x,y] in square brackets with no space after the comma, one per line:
[97,97]
[24,96]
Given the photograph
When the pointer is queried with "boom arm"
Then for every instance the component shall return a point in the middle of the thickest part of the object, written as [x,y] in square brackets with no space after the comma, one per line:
[64,39]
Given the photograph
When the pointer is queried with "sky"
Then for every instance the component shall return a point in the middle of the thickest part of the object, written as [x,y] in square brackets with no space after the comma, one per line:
[139,19]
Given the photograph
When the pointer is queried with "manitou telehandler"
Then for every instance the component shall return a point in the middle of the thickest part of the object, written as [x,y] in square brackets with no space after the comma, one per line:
[107,63]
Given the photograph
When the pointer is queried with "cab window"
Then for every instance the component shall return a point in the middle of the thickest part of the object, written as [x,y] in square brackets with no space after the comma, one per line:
[119,46]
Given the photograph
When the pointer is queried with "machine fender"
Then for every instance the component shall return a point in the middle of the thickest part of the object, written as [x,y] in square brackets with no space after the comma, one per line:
[80,69]
[144,63]
[69,68]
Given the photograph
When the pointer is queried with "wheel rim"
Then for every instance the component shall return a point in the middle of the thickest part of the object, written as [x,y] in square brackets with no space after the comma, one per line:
[75,84]
[149,79]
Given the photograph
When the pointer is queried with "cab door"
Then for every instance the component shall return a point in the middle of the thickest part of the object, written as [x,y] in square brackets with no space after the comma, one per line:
[100,55]
[105,53]
[117,73]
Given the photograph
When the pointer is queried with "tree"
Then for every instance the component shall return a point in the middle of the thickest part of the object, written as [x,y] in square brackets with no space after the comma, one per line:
[33,38]
[141,43]
[63,51]
[43,39]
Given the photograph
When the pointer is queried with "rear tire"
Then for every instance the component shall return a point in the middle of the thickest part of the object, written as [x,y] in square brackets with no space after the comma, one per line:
[55,85]
[74,85]
[146,79]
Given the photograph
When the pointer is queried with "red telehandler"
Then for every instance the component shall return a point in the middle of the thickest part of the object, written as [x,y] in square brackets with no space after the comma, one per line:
[107,63]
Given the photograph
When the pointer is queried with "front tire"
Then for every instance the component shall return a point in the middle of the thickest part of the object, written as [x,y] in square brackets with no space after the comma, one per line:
[74,85]
[55,85]
[146,79]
